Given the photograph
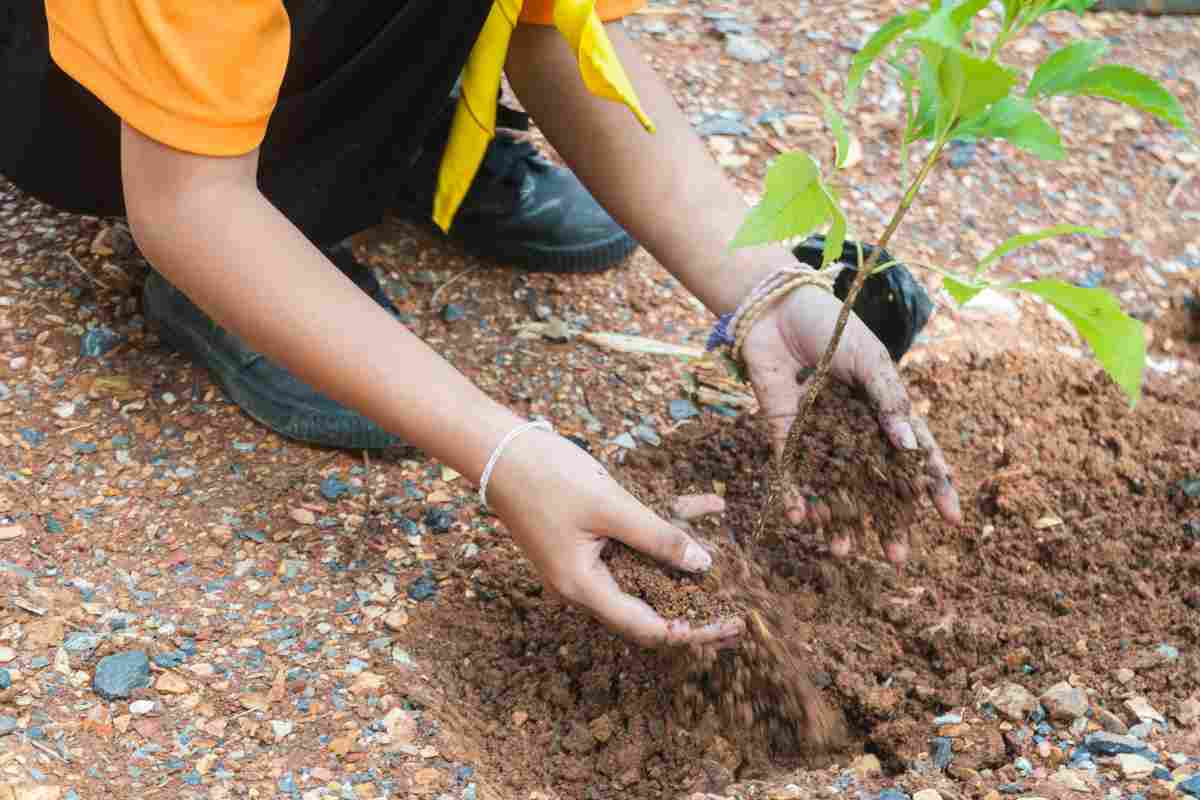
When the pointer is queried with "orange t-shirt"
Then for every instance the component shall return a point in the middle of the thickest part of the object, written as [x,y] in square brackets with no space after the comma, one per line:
[193,77]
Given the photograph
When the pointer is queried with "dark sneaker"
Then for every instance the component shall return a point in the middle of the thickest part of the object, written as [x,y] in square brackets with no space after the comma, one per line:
[892,303]
[264,390]
[521,210]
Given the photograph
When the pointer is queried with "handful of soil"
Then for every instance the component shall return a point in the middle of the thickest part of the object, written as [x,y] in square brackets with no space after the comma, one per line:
[761,693]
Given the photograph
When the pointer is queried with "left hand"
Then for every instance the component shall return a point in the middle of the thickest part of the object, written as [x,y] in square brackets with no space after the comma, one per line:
[793,335]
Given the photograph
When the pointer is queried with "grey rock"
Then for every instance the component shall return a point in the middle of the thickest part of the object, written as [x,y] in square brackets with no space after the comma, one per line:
[625,440]
[119,674]
[82,642]
[721,125]
[1103,743]
[648,435]
[1111,722]
[99,341]
[7,725]
[453,312]
[422,588]
[747,49]
[961,154]
[1014,702]
[941,751]
[1190,787]
[682,409]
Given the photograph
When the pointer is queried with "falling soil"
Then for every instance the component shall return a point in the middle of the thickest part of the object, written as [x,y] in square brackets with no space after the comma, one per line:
[1073,503]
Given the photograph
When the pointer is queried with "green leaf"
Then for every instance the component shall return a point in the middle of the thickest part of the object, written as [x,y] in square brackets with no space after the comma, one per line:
[795,203]
[1118,341]
[1015,120]
[956,85]
[836,237]
[1025,239]
[1078,6]
[1063,69]
[1011,9]
[837,123]
[960,290]
[949,24]
[879,41]
[1127,85]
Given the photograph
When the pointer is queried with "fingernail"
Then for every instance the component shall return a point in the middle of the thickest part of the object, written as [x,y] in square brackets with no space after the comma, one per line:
[696,559]
[908,439]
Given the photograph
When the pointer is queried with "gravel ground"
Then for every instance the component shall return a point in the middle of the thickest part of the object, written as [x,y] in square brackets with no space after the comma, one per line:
[196,608]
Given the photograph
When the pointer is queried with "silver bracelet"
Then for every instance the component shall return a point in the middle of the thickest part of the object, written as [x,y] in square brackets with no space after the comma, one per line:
[491,464]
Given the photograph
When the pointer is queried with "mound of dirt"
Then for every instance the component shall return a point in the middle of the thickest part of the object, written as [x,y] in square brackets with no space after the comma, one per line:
[1073,502]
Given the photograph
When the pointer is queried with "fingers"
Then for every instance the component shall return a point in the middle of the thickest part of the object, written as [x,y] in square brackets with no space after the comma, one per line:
[633,619]
[693,506]
[628,521]
[941,490]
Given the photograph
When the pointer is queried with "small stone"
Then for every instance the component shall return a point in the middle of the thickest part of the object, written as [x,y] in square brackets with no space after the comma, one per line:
[1013,702]
[866,766]
[141,707]
[1142,730]
[927,794]
[1110,721]
[7,725]
[947,719]
[302,516]
[625,440]
[1064,702]
[99,341]
[282,728]
[1103,743]
[962,153]
[1071,779]
[1124,675]
[941,751]
[366,683]
[1134,767]
[7,654]
[395,620]
[747,49]
[892,794]
[439,520]
[170,683]
[647,435]
[5,679]
[119,674]
[453,312]
[423,588]
[1188,712]
[333,487]
[1190,787]
[992,303]
[680,410]
[601,728]
[1141,709]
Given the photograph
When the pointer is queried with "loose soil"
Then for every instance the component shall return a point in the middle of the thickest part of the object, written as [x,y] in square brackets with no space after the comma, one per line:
[1073,504]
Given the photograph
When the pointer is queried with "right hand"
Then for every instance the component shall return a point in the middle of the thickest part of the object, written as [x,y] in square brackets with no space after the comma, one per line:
[561,506]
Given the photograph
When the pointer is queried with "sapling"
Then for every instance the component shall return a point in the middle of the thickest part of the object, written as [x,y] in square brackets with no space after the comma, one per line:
[956,87]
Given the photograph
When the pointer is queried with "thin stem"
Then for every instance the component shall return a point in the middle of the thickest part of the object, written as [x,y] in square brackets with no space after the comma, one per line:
[782,470]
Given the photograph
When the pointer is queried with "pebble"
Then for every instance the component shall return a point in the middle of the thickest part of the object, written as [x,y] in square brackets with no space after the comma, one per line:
[748,49]
[1064,702]
[1190,787]
[893,794]
[1124,675]
[7,725]
[333,487]
[927,794]
[625,440]
[962,153]
[1024,766]
[7,654]
[302,516]
[682,409]
[992,303]
[1142,730]
[1014,702]
[282,728]
[439,520]
[948,719]
[1134,766]
[1110,721]
[1103,743]
[941,750]
[1142,709]
[5,679]
[721,125]
[99,341]
[648,435]
[453,312]
[119,674]
[1071,779]
[140,707]
[422,588]
[1188,713]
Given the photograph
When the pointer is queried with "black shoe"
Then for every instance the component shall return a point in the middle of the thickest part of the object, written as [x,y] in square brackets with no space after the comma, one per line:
[264,390]
[521,209]
[892,304]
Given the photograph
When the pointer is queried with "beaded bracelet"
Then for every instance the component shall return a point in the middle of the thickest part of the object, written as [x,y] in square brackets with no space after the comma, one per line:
[731,329]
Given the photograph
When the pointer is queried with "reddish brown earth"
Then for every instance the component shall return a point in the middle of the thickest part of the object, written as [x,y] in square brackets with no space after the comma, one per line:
[1077,556]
